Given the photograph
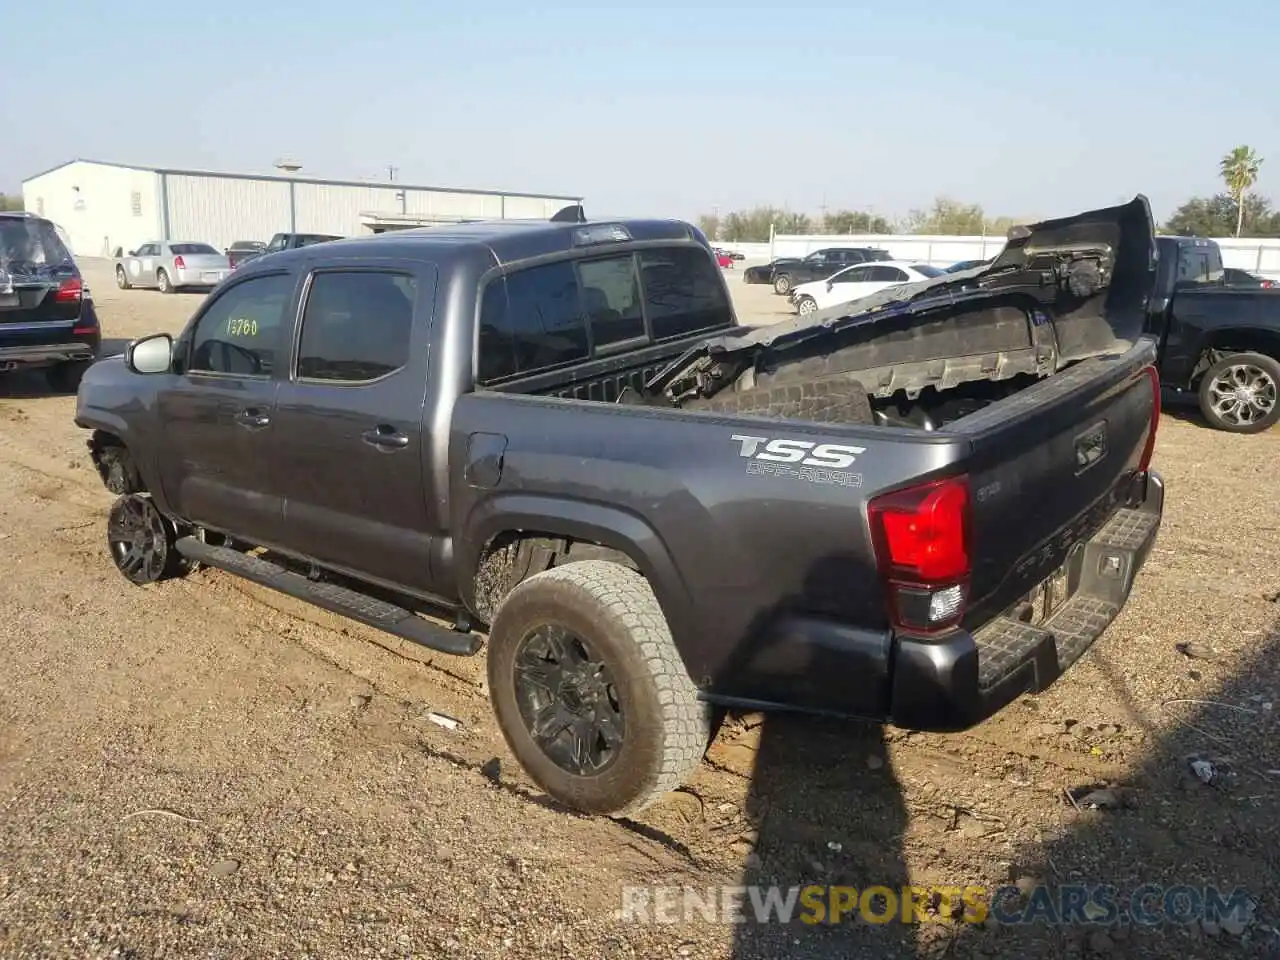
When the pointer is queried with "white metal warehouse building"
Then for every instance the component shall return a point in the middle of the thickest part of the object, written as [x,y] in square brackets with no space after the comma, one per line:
[101,206]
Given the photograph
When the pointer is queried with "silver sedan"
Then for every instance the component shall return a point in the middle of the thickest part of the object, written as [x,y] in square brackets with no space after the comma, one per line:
[173,265]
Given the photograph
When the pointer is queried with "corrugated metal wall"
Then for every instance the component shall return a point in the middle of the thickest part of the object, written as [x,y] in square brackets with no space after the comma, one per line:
[331,208]
[221,210]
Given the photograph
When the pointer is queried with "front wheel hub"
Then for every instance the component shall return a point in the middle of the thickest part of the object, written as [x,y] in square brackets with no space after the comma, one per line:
[139,539]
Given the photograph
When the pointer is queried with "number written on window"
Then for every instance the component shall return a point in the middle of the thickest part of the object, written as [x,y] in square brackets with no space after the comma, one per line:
[242,327]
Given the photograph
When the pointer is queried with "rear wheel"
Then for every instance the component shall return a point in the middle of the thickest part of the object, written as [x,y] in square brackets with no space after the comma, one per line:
[162,281]
[590,691]
[141,540]
[122,279]
[1239,393]
[782,285]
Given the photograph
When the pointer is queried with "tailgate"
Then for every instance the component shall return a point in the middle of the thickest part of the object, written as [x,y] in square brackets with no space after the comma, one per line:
[37,311]
[1048,468]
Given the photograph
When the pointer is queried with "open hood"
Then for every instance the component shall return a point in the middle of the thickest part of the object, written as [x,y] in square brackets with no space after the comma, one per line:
[1086,277]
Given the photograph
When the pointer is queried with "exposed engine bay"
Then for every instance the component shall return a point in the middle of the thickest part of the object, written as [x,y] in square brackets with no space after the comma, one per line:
[931,352]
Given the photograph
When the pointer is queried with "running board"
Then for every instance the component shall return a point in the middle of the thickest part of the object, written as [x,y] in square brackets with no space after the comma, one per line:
[360,607]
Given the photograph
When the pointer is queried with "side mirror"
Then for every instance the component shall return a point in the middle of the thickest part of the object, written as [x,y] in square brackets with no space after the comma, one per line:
[153,354]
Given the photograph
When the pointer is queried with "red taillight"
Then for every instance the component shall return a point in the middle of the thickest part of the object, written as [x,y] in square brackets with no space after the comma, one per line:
[1149,450]
[69,291]
[179,263]
[921,538]
[1267,284]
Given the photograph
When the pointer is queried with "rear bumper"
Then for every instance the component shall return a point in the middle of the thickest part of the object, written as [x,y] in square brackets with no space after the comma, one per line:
[194,277]
[83,347]
[957,682]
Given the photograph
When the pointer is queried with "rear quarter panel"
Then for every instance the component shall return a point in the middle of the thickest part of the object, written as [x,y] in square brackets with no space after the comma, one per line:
[727,546]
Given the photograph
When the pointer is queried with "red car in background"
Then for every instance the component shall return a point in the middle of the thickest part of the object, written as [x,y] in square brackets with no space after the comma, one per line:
[724,258]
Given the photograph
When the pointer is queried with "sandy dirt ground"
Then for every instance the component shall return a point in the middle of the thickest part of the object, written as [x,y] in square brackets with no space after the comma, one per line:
[206,769]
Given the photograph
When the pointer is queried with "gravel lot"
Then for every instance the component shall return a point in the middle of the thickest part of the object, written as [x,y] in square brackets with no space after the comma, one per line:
[207,769]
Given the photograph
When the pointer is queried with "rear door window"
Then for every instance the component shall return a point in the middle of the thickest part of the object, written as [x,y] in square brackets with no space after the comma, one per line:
[356,326]
[854,275]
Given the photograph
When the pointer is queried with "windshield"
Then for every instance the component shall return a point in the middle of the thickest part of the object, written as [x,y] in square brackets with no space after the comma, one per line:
[191,249]
[927,271]
[27,243]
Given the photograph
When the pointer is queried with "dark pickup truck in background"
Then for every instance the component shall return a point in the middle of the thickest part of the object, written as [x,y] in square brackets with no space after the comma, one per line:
[556,434]
[786,272]
[1219,342]
[295,241]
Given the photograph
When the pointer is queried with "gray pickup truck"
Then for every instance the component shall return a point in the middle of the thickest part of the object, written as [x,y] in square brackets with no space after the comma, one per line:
[555,435]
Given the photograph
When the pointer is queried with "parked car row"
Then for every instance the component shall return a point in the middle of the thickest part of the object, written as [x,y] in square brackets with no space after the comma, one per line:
[173,265]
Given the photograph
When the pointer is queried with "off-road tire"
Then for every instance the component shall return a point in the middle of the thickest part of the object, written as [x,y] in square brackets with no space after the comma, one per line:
[782,285]
[614,610]
[65,377]
[818,401]
[1268,365]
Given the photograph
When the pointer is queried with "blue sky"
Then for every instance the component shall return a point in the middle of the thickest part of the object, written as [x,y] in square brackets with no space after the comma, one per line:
[661,108]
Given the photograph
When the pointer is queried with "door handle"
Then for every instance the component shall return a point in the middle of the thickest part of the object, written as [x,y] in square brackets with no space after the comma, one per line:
[387,437]
[252,418]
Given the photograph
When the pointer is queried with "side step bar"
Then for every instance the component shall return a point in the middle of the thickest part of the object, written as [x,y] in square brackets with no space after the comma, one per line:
[363,609]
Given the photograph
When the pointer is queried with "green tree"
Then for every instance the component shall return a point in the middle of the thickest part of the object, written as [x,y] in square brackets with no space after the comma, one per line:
[1239,170]
[10,201]
[709,224]
[753,225]
[947,216]
[1220,216]
[855,221]
[792,223]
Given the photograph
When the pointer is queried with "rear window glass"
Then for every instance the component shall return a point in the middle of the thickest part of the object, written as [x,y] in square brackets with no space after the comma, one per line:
[27,243]
[926,270]
[546,316]
[191,249]
[611,299]
[683,292]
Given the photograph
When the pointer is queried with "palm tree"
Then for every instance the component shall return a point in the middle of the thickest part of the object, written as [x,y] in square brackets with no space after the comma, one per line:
[1239,170]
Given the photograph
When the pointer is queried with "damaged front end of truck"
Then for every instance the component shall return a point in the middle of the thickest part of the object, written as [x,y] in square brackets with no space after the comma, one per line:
[1061,291]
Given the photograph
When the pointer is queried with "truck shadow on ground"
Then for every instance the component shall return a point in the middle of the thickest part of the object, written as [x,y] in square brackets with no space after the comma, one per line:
[34,385]
[1152,855]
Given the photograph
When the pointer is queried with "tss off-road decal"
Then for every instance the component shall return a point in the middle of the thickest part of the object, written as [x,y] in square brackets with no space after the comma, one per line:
[800,459]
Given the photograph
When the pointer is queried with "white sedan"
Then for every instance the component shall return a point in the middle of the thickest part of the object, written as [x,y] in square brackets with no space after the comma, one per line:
[856,282]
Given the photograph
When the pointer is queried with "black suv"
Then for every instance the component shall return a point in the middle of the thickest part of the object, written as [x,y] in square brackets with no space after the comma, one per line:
[786,272]
[47,318]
